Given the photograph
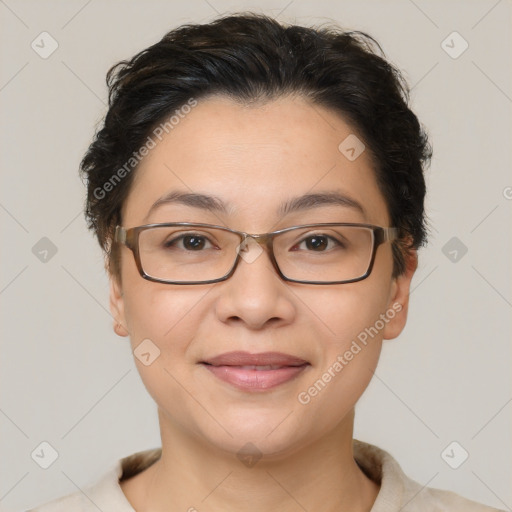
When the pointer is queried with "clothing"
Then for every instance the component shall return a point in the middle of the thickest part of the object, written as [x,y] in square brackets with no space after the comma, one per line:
[397,491]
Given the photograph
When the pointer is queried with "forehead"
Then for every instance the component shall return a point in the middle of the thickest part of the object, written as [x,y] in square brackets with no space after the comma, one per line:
[255,158]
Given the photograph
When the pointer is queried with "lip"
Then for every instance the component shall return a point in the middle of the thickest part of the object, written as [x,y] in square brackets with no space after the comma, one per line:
[255,372]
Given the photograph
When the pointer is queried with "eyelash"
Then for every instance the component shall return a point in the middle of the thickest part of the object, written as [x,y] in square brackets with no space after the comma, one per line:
[174,241]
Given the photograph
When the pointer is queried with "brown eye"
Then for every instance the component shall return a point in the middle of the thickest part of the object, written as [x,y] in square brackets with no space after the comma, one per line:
[193,242]
[317,243]
[190,242]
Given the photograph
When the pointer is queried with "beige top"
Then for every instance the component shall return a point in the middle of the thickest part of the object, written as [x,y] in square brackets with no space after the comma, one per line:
[397,491]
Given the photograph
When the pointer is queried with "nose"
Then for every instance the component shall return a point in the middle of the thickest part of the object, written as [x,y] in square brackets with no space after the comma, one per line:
[255,295]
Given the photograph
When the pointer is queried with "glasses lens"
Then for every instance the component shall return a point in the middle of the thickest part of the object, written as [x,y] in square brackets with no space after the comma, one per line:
[187,253]
[191,254]
[324,253]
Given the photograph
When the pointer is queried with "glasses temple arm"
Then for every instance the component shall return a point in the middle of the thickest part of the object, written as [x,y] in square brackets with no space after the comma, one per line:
[120,235]
[390,234]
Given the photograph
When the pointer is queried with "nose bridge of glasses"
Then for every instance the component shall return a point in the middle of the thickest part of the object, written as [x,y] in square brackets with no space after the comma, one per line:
[260,242]
[263,241]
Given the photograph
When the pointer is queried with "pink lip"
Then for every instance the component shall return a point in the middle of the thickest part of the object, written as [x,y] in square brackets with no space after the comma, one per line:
[235,369]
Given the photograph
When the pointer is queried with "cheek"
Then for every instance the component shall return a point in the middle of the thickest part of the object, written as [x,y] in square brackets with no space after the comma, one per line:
[349,346]
[157,310]
[346,312]
[169,318]
[172,317]
[151,309]
[163,322]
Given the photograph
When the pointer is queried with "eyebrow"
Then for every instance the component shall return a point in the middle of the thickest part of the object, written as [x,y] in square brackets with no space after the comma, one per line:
[202,201]
[309,201]
[216,205]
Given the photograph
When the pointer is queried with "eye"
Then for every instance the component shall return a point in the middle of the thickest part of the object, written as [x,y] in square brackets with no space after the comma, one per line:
[317,243]
[189,242]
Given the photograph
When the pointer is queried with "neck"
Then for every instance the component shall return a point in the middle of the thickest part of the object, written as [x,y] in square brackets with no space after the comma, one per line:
[192,475]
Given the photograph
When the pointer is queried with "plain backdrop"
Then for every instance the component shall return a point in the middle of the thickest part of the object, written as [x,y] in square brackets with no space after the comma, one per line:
[68,380]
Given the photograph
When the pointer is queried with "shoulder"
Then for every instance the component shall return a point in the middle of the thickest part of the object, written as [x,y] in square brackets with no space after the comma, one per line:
[438,500]
[398,492]
[76,501]
[105,493]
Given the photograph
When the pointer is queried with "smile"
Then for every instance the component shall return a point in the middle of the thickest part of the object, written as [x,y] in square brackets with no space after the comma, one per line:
[255,372]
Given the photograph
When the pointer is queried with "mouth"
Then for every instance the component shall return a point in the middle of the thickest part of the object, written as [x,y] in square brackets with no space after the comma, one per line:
[255,372]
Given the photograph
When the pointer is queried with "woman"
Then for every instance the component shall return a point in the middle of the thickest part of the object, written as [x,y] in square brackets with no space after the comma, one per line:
[259,194]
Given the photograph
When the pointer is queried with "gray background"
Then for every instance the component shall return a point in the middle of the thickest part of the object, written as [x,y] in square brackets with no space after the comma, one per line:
[68,380]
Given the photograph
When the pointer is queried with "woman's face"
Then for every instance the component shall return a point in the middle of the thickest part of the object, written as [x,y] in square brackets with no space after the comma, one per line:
[253,160]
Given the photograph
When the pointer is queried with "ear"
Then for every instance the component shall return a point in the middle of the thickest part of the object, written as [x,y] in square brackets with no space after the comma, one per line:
[398,304]
[117,307]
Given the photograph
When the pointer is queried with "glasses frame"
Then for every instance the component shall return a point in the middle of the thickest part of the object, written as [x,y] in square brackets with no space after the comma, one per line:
[129,237]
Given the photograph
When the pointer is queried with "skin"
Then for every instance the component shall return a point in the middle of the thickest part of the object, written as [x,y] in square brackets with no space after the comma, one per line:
[254,158]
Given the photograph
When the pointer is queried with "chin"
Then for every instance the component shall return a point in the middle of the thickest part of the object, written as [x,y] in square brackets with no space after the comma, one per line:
[270,434]
[244,445]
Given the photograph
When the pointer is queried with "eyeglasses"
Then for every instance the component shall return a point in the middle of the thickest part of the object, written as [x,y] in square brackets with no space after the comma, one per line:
[189,253]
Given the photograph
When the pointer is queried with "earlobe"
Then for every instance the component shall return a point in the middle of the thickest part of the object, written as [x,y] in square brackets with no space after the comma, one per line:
[398,304]
[120,329]
[117,307]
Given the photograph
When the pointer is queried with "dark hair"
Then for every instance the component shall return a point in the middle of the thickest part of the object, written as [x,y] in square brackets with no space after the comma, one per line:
[249,58]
